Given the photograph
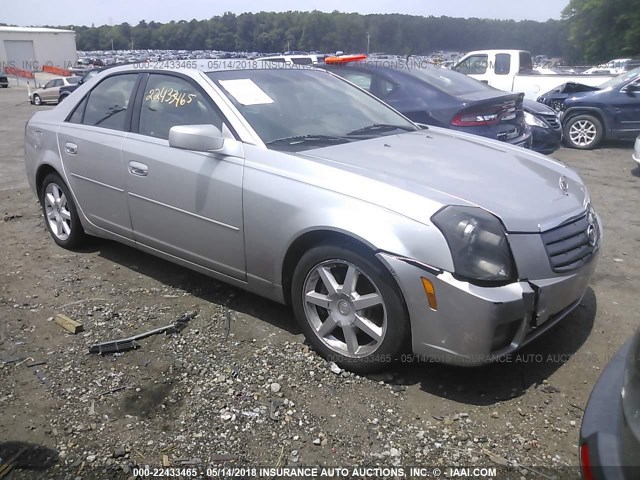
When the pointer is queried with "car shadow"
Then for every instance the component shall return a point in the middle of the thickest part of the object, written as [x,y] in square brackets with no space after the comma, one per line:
[484,385]
[617,144]
[636,171]
[196,284]
[510,377]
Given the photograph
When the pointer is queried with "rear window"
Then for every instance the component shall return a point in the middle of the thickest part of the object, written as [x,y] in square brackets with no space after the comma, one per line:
[73,80]
[448,81]
[525,62]
[503,64]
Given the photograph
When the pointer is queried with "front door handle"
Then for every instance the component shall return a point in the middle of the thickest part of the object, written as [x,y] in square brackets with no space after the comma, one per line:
[71,148]
[139,169]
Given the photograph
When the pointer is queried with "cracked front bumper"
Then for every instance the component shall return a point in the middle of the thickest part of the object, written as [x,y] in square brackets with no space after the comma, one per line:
[475,325]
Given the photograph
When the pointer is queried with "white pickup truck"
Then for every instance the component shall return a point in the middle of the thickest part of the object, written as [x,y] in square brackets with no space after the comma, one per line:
[512,71]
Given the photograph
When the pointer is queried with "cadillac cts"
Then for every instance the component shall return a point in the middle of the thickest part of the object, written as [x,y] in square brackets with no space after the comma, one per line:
[298,186]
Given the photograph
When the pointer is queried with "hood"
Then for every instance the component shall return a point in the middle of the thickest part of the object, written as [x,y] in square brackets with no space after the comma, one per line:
[519,187]
[537,108]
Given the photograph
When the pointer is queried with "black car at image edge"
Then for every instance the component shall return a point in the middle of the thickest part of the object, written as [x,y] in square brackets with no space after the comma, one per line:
[610,431]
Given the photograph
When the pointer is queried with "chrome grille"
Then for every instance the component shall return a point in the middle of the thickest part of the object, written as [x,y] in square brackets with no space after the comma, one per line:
[568,245]
[552,120]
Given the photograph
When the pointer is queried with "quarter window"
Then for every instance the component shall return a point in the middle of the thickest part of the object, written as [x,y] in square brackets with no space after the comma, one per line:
[169,101]
[109,101]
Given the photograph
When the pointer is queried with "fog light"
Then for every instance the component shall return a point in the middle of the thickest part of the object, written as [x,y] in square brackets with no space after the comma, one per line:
[431,293]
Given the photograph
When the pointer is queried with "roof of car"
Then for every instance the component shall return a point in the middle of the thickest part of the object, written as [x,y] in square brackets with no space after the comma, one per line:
[206,66]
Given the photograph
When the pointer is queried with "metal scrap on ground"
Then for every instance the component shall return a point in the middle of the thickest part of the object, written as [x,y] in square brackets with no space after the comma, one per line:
[130,343]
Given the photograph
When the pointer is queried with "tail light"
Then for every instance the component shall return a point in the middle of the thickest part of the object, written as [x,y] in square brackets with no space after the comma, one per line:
[585,463]
[475,119]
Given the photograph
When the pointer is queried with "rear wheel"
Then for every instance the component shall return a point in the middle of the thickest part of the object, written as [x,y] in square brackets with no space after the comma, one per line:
[349,308]
[60,213]
[62,97]
[584,132]
[37,100]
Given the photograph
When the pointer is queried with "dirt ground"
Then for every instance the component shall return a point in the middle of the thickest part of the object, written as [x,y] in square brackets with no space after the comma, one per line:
[238,386]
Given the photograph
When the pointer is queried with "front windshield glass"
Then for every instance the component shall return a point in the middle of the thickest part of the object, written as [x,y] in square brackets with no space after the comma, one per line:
[620,80]
[299,109]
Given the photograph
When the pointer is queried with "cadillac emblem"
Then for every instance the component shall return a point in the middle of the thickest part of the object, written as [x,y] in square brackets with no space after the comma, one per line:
[564,185]
[592,230]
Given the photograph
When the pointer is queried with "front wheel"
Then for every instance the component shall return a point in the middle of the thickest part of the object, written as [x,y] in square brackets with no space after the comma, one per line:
[37,100]
[349,308]
[60,213]
[583,132]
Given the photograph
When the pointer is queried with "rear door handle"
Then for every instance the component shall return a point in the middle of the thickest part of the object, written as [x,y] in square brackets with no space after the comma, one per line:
[71,148]
[139,169]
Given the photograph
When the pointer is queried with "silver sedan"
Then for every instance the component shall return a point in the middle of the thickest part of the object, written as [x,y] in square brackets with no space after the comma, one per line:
[298,186]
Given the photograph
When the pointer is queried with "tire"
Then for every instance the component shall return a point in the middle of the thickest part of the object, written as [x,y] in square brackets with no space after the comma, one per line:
[62,97]
[37,100]
[584,132]
[358,339]
[5,86]
[60,213]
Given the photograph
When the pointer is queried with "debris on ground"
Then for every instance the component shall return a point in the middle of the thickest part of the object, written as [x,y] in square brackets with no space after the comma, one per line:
[124,344]
[68,324]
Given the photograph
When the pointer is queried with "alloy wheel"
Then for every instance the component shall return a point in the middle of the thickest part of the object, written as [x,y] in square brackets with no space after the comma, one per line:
[344,308]
[57,211]
[583,133]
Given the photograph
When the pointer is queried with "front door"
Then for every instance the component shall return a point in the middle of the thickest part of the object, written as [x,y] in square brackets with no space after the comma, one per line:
[184,203]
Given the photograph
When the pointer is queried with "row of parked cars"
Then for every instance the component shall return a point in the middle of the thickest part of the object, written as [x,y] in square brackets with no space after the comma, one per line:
[583,115]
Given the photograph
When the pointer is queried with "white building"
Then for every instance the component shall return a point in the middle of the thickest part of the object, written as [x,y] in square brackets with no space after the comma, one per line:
[27,48]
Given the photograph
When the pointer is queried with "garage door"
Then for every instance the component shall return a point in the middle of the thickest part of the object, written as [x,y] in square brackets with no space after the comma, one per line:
[21,54]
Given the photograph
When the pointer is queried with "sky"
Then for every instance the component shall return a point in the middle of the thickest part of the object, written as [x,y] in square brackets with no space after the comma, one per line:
[111,12]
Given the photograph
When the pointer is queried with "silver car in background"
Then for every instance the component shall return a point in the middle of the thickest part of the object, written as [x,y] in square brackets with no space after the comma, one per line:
[298,186]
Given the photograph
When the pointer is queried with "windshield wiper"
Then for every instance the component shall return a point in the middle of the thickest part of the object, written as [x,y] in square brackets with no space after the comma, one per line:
[379,127]
[311,138]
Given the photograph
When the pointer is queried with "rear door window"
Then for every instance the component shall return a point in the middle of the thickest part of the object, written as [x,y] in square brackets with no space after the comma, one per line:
[503,64]
[109,101]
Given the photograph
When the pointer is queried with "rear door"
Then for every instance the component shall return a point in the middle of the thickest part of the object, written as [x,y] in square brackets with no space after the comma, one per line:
[184,203]
[90,142]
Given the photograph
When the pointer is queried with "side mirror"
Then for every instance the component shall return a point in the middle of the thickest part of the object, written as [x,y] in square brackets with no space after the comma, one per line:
[200,138]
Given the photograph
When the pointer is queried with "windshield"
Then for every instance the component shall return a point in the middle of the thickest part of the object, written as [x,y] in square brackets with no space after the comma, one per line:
[620,80]
[448,81]
[300,109]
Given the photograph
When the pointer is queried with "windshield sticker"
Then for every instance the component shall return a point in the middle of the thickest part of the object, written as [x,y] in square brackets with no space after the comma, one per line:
[170,96]
[246,92]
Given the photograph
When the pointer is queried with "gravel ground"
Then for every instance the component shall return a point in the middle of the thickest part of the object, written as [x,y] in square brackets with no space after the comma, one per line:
[239,387]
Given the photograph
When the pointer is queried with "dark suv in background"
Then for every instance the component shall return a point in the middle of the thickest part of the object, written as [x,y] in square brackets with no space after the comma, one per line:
[593,114]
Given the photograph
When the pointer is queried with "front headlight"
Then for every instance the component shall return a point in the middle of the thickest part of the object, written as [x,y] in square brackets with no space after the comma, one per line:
[534,121]
[478,245]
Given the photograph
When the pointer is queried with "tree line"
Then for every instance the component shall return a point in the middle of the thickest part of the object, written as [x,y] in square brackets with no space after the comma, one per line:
[590,30]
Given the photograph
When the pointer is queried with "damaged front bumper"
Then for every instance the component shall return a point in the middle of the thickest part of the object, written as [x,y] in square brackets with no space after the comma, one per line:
[474,325]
